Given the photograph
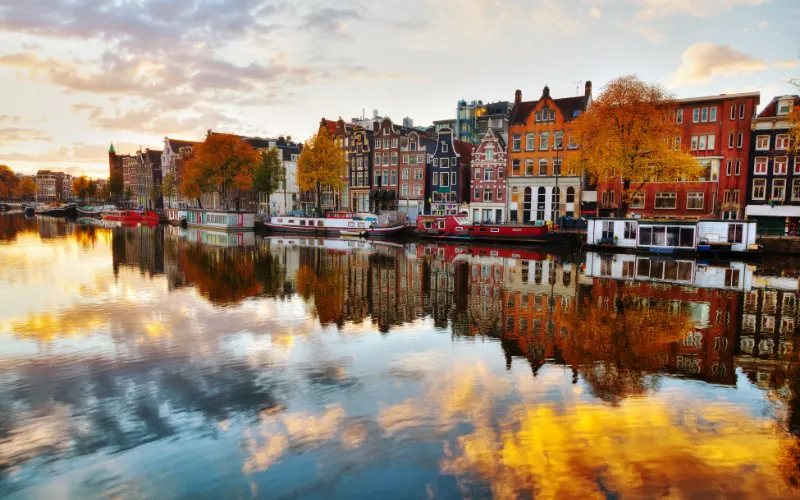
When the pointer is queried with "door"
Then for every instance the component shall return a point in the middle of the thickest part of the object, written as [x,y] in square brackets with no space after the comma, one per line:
[526,205]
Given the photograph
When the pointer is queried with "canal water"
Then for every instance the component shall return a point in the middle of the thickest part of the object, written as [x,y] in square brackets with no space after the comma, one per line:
[157,362]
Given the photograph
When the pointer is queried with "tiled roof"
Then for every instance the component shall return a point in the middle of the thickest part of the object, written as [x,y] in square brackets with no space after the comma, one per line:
[771,109]
[155,157]
[176,144]
[569,105]
[519,115]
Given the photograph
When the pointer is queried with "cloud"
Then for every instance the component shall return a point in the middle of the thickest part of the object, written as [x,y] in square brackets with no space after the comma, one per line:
[701,62]
[550,17]
[657,9]
[763,24]
[788,64]
[595,13]
[330,20]
[17,134]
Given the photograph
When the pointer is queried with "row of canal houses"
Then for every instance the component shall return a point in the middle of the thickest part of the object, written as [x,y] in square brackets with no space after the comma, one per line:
[504,162]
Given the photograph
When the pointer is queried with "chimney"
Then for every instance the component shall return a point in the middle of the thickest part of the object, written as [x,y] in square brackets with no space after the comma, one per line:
[588,88]
[546,91]
[517,97]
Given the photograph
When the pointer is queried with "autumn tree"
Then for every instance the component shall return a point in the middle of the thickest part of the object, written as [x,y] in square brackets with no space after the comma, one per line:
[220,164]
[169,186]
[102,192]
[128,193]
[116,185]
[629,133]
[321,166]
[269,173]
[155,195]
[8,182]
[27,188]
[794,120]
[80,187]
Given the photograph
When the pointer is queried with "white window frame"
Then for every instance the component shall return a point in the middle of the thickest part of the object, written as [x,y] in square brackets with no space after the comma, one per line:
[795,189]
[782,142]
[695,196]
[667,195]
[757,162]
[530,141]
[739,140]
[784,160]
[516,141]
[733,111]
[445,147]
[679,116]
[704,115]
[762,184]
[741,111]
[731,140]
[712,142]
[775,184]
[712,114]
[544,137]
[762,143]
[696,115]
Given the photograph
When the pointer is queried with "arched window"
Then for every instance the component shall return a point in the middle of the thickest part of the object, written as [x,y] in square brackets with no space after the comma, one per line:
[570,194]
[527,205]
[556,205]
[540,201]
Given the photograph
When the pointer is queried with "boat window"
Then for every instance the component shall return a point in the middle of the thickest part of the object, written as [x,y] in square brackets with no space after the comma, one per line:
[472,229]
[360,224]
[646,236]
[428,224]
[441,223]
[351,224]
[495,230]
[291,221]
[321,223]
[672,236]
[687,237]
[302,222]
[517,230]
[483,229]
[735,233]
[460,229]
[659,236]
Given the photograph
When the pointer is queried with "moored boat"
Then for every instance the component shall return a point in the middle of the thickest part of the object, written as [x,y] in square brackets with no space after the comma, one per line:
[176,215]
[459,227]
[334,224]
[130,216]
[58,210]
[94,211]
[220,220]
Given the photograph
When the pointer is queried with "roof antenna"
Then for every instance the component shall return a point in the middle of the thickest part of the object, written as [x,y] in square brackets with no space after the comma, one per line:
[577,86]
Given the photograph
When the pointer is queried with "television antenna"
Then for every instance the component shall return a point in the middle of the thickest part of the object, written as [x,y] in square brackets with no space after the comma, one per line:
[577,86]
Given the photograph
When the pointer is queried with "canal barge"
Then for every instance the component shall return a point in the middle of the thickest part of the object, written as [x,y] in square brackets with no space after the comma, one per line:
[336,224]
[130,216]
[176,216]
[58,210]
[461,228]
[666,236]
[220,220]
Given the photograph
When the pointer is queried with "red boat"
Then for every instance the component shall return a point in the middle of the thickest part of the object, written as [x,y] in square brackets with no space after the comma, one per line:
[130,216]
[461,228]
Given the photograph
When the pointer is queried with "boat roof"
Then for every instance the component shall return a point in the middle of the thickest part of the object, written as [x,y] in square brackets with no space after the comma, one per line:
[669,221]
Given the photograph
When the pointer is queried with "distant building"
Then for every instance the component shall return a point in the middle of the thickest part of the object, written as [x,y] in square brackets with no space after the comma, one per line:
[416,158]
[773,193]
[335,199]
[448,183]
[46,189]
[282,201]
[173,157]
[63,186]
[488,181]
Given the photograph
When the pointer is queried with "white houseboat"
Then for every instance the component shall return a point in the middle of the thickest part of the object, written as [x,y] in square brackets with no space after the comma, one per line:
[220,220]
[176,215]
[672,236]
[336,224]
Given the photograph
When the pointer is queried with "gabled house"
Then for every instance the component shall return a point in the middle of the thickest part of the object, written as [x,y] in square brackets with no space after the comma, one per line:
[773,193]
[448,182]
[488,183]
[416,157]
[389,139]
[539,145]
[173,157]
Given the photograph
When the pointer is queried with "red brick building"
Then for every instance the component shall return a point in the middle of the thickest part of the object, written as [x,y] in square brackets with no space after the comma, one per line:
[488,200]
[716,130]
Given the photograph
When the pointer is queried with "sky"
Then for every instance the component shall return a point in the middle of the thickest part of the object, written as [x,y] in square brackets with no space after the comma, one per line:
[76,75]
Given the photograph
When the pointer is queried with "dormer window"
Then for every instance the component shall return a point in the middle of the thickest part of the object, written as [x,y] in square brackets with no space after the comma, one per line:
[784,107]
[386,131]
[413,146]
[444,147]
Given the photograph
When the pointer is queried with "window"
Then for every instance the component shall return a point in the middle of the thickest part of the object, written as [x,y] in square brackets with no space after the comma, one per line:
[488,174]
[608,198]
[679,116]
[386,144]
[386,131]
[417,174]
[702,143]
[695,115]
[778,189]
[386,159]
[762,142]
[739,140]
[500,172]
[712,114]
[377,144]
[413,146]
[735,233]
[694,143]
[420,158]
[557,166]
[730,140]
[385,178]
[608,232]
[394,142]
[796,189]
[499,194]
[445,163]
[782,141]
[377,158]
[558,140]
[487,194]
[630,231]
[797,164]
[418,190]
[477,174]
[694,201]
[712,139]
[781,165]
[733,111]
[452,180]
[544,141]
[377,179]
[476,194]
[738,167]
[444,179]
[704,115]
[515,168]
[489,154]
[404,175]
[728,168]
[436,162]
[514,195]
[759,189]
[445,148]
[741,111]
[529,141]
[393,178]
[666,200]
[435,179]
[528,167]
[760,165]
[572,143]
[637,200]
[394,158]
[784,107]
[515,146]
[543,166]
[404,190]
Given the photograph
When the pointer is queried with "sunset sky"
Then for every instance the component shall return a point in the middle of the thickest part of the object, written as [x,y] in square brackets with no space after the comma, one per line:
[78,74]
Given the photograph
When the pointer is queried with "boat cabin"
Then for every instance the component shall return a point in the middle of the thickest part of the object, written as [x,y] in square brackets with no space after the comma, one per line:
[669,236]
[220,220]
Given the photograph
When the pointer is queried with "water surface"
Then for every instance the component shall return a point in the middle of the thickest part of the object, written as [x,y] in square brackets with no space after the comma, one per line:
[165,363]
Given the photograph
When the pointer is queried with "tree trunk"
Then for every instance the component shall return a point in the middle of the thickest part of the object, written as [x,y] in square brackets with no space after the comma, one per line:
[622,207]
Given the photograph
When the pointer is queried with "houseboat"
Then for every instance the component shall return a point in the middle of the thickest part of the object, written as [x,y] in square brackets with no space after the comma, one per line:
[220,220]
[175,215]
[94,211]
[460,227]
[335,224]
[56,210]
[130,216]
[673,236]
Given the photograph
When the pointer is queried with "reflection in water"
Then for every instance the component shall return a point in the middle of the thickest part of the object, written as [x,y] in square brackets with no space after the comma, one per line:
[161,362]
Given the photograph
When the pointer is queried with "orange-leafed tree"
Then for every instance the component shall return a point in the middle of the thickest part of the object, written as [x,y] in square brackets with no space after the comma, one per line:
[629,133]
[27,188]
[8,182]
[80,187]
[221,164]
[321,166]
[794,120]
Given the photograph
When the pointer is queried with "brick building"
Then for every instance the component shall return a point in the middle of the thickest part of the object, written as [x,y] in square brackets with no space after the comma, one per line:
[416,157]
[488,184]
[540,142]
[449,181]
[773,193]
[716,130]
[389,139]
